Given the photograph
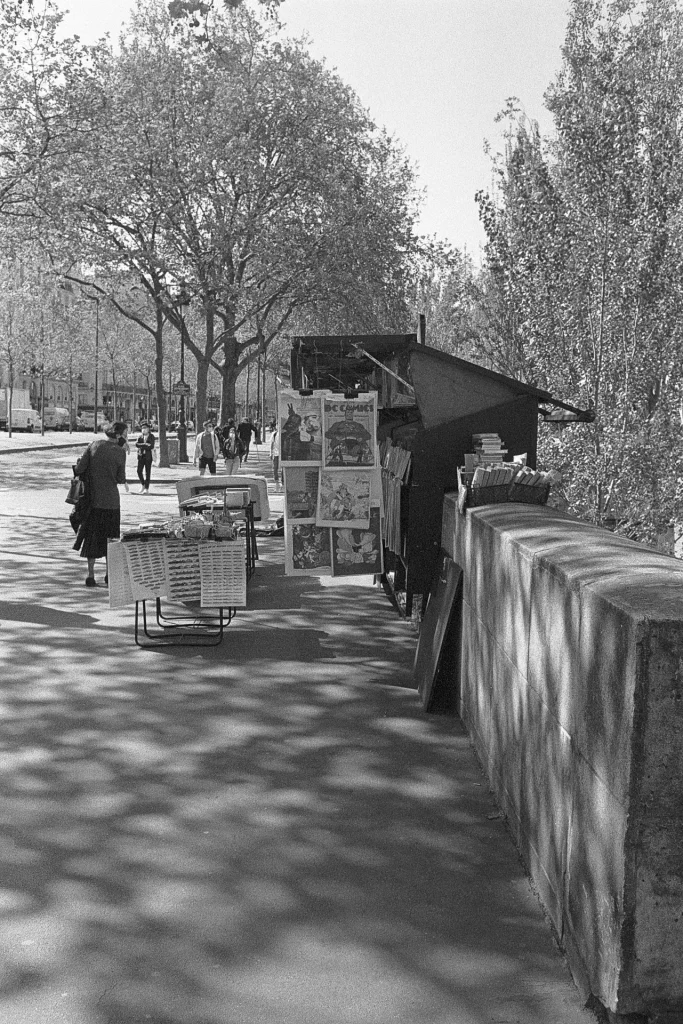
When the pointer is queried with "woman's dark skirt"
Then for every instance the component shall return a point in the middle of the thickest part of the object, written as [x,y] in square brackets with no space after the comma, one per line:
[102,524]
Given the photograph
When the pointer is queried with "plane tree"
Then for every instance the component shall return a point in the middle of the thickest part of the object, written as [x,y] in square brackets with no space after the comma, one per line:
[241,177]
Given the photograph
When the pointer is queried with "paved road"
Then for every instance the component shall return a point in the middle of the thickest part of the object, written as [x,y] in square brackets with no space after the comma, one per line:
[267,832]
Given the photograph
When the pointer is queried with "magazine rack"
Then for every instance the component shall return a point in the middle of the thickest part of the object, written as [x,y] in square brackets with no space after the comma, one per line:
[209,573]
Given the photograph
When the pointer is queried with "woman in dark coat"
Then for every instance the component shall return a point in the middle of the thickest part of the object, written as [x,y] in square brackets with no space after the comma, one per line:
[103,464]
[145,446]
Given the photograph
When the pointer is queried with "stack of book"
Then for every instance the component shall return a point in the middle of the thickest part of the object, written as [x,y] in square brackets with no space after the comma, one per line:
[494,476]
[488,448]
[532,478]
[505,481]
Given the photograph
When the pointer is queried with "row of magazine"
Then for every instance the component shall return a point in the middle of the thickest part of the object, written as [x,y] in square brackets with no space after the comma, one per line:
[326,429]
[333,492]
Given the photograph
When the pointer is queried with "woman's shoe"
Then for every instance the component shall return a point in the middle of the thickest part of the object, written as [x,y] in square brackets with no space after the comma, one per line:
[90,581]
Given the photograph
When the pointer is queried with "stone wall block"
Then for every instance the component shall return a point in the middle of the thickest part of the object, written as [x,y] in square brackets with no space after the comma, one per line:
[545,801]
[655,838]
[605,660]
[554,629]
[475,694]
[480,556]
[508,724]
[595,881]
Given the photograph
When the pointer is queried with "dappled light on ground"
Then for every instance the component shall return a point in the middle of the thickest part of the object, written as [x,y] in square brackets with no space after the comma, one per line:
[266,831]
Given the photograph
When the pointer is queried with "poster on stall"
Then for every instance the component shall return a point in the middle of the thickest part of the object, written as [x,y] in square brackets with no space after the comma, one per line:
[344,498]
[307,550]
[300,421]
[350,431]
[358,552]
[301,492]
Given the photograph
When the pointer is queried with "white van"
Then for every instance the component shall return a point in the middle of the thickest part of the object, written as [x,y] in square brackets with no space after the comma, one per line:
[23,416]
[55,418]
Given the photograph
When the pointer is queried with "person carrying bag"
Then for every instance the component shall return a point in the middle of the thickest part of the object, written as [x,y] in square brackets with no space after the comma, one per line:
[76,489]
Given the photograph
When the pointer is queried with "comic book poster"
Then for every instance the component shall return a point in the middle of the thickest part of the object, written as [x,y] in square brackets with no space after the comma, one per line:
[300,421]
[301,492]
[344,498]
[308,550]
[358,552]
[350,431]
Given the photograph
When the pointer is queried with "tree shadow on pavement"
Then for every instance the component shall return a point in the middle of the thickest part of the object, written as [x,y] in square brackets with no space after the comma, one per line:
[269,831]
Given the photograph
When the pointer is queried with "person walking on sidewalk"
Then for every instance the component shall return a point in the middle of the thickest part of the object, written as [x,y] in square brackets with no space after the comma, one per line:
[145,446]
[207,449]
[232,450]
[103,464]
[244,433]
[275,455]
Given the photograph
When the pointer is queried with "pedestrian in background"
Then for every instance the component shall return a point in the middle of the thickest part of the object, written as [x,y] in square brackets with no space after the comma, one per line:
[206,449]
[275,455]
[244,433]
[232,450]
[145,446]
[103,464]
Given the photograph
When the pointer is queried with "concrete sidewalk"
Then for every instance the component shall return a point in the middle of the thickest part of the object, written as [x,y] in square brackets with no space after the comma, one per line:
[268,831]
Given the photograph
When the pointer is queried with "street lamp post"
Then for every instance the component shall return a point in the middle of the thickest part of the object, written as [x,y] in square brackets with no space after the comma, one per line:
[97,353]
[183,300]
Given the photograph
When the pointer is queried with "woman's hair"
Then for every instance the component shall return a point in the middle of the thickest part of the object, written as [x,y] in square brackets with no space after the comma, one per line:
[117,429]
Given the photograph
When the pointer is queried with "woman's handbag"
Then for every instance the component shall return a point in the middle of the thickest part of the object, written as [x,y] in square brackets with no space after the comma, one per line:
[76,491]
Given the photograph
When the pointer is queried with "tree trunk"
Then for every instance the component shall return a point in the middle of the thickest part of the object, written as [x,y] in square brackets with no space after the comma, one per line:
[160,393]
[71,394]
[201,393]
[230,372]
[42,399]
[116,393]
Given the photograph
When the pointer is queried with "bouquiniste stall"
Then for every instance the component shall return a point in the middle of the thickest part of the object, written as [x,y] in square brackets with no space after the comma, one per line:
[429,406]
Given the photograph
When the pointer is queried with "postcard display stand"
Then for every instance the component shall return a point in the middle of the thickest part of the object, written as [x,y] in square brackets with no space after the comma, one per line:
[333,490]
[210,573]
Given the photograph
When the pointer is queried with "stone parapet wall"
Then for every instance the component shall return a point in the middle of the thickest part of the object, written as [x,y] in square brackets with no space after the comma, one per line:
[571,686]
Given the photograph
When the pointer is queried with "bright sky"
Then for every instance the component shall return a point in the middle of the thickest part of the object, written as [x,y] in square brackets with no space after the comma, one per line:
[434,73]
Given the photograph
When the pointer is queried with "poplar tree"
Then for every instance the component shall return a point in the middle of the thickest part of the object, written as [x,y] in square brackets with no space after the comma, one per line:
[585,256]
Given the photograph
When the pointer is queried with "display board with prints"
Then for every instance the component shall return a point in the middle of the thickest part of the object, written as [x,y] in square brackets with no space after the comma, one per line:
[333,490]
